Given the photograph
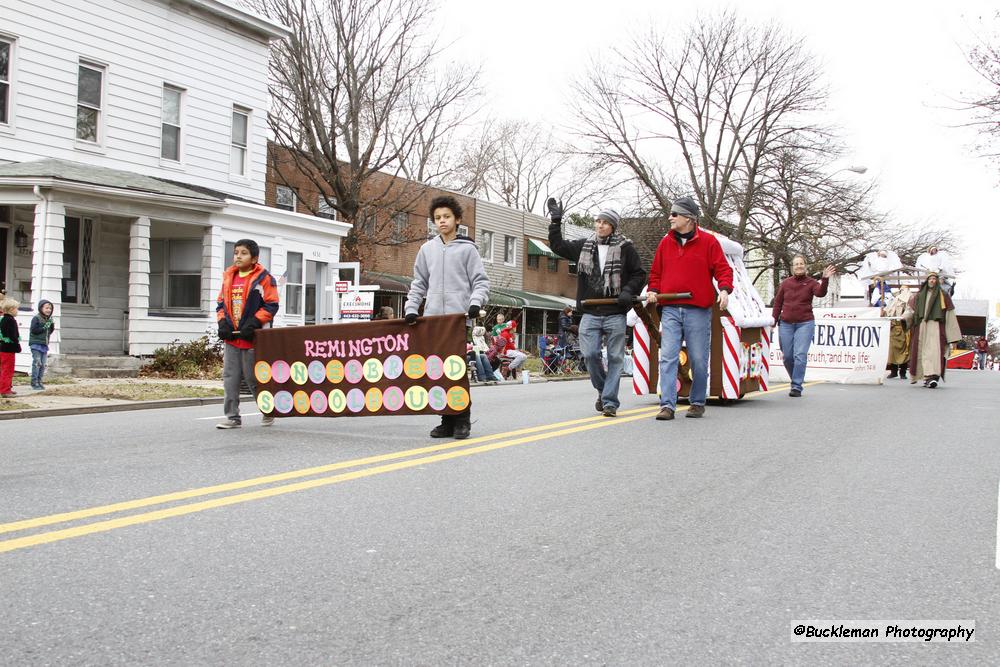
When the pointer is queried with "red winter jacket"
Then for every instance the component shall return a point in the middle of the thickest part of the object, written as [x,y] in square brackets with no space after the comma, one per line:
[794,301]
[690,268]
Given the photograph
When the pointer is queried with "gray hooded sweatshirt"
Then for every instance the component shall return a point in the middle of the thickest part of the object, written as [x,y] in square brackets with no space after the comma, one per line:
[450,276]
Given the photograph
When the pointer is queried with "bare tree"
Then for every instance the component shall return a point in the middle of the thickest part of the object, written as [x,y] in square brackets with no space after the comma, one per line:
[721,97]
[356,101]
[984,105]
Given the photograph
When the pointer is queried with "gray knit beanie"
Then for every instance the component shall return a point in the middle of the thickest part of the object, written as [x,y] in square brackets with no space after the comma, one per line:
[687,207]
[611,216]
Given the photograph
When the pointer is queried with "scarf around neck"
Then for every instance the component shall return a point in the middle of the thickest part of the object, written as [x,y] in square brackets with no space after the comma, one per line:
[937,305]
[609,281]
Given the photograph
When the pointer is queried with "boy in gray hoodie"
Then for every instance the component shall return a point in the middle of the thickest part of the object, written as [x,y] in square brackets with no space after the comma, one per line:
[448,276]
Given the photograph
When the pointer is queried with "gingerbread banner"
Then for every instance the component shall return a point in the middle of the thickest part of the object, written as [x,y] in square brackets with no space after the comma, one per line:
[385,367]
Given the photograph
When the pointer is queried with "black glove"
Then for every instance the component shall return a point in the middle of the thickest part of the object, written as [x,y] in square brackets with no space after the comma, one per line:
[248,330]
[225,330]
[411,318]
[555,209]
[625,300]
[473,311]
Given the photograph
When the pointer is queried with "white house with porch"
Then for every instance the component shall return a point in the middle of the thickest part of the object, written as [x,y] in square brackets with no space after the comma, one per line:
[133,142]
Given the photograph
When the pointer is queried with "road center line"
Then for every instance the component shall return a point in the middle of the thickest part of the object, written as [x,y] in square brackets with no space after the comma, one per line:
[563,428]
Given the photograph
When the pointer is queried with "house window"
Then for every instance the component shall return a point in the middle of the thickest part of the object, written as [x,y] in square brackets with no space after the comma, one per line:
[78,247]
[6,49]
[284,198]
[485,244]
[264,259]
[463,230]
[325,208]
[509,250]
[572,268]
[532,261]
[239,142]
[170,123]
[293,284]
[89,97]
[366,226]
[175,273]
[400,221]
[553,264]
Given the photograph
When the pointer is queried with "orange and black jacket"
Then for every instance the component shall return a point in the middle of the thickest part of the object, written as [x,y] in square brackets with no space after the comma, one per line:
[261,300]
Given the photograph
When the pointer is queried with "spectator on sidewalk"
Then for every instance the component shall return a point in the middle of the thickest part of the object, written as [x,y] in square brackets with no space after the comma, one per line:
[10,344]
[42,326]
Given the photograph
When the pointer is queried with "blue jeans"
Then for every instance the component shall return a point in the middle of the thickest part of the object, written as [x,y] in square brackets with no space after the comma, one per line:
[484,372]
[981,358]
[592,329]
[694,327]
[38,361]
[795,339]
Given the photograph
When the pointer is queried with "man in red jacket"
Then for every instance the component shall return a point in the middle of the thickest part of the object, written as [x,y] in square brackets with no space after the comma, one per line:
[686,261]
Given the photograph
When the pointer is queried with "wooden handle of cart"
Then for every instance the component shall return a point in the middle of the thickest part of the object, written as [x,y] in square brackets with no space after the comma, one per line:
[660,298]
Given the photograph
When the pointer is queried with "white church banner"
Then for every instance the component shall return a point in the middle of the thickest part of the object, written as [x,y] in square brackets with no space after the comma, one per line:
[848,351]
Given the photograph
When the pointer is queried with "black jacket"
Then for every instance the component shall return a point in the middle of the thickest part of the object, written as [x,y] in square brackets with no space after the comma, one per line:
[633,275]
[10,338]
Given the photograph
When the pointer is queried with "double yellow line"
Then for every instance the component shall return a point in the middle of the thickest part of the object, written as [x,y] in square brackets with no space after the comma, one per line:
[425,455]
[376,465]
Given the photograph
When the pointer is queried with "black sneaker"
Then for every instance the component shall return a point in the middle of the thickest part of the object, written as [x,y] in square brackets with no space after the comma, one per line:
[795,393]
[599,404]
[696,412]
[230,423]
[932,384]
[462,430]
[610,411]
[445,429]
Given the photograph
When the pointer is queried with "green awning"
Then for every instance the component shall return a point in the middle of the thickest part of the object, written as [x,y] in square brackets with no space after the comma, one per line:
[540,248]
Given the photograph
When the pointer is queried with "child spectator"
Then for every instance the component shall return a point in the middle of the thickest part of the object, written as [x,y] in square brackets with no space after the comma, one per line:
[10,344]
[449,274]
[247,301]
[42,326]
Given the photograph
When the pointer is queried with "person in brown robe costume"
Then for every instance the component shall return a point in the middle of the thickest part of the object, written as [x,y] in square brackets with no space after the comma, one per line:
[899,334]
[933,324]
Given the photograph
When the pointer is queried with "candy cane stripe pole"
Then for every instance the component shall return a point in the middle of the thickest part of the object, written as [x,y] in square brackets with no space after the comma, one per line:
[765,357]
[640,359]
[730,358]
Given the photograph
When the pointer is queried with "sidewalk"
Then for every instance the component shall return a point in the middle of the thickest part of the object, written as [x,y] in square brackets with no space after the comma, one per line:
[49,404]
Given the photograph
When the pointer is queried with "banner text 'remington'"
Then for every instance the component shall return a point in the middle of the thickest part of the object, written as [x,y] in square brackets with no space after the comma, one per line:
[357,347]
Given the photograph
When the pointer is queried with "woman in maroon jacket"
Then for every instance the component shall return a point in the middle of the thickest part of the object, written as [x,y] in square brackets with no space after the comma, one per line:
[793,312]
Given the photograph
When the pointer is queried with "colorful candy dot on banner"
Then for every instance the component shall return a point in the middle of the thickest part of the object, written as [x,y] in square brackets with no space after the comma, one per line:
[317,371]
[393,366]
[335,371]
[682,358]
[280,371]
[299,373]
[265,402]
[454,367]
[678,384]
[373,370]
[458,398]
[262,371]
[691,374]
[318,400]
[355,400]
[393,398]
[337,401]
[434,367]
[437,398]
[283,402]
[414,366]
[353,371]
[416,398]
[373,399]
[302,404]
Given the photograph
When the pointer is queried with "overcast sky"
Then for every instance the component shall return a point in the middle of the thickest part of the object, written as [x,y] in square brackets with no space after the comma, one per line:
[891,67]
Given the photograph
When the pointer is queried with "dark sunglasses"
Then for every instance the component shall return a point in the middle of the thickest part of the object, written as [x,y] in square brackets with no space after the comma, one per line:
[676,215]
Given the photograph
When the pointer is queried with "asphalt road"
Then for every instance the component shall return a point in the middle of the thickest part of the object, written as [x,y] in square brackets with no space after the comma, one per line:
[553,536]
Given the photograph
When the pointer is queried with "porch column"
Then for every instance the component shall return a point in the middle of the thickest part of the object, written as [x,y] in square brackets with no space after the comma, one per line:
[212,264]
[47,261]
[138,280]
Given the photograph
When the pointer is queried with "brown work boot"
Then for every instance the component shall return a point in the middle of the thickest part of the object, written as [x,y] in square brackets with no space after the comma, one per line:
[666,413]
[446,428]
[599,404]
[696,412]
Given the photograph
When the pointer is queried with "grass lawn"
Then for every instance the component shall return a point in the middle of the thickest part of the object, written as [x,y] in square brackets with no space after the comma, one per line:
[134,391]
[25,380]
[7,404]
